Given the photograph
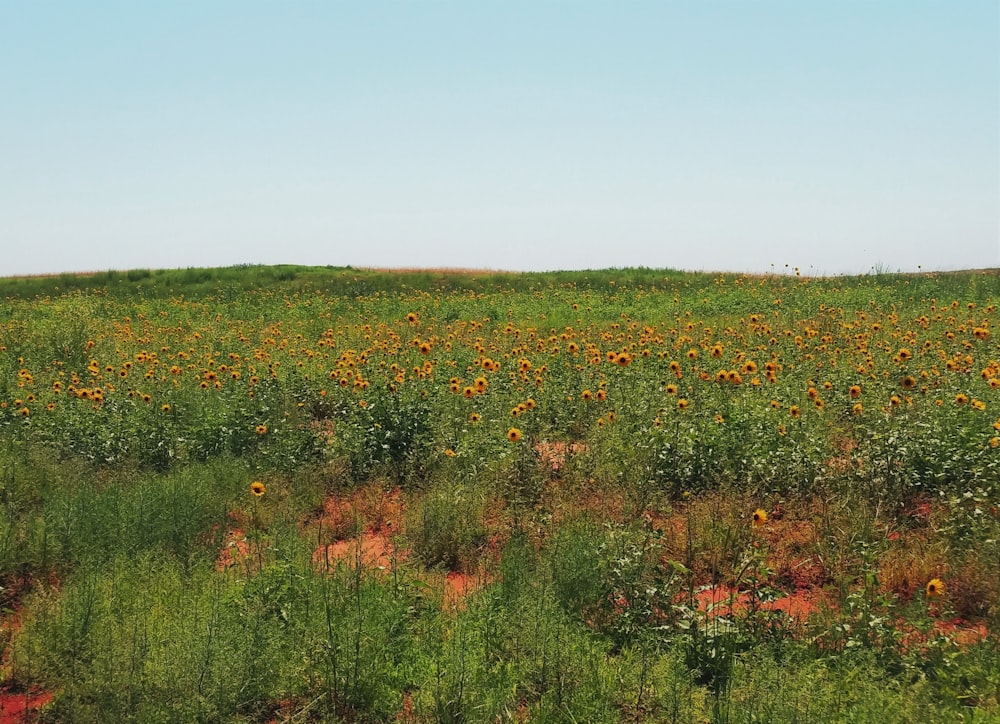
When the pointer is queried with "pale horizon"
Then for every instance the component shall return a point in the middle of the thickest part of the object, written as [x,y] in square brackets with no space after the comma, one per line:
[838,138]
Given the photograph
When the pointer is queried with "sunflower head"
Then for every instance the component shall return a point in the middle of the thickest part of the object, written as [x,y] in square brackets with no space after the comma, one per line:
[257,488]
[514,434]
[935,587]
[759,517]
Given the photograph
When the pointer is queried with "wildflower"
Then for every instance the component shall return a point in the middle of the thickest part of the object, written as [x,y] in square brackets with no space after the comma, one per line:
[795,412]
[855,391]
[475,417]
[24,412]
[257,488]
[961,399]
[601,395]
[514,434]
[858,408]
[909,382]
[935,587]
[670,389]
[261,429]
[165,408]
[995,441]
[450,453]
[759,517]
[682,404]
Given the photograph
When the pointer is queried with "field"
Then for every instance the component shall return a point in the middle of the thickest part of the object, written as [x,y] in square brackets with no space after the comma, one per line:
[266,494]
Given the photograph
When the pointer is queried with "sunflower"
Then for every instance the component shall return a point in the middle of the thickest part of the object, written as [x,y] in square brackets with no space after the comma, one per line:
[257,488]
[587,395]
[514,434]
[261,429]
[909,382]
[670,389]
[682,404]
[475,417]
[795,412]
[858,408]
[961,399]
[601,395]
[935,587]
[759,517]
[855,391]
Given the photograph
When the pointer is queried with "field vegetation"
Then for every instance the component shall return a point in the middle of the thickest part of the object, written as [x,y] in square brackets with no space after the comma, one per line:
[263,494]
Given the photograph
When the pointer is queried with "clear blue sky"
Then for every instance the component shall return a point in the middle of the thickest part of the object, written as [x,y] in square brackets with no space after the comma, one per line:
[831,135]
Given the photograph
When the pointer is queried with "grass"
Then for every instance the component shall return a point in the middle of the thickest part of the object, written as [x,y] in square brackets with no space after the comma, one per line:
[619,572]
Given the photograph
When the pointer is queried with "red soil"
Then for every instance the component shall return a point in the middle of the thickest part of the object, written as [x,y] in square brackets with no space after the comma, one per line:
[727,601]
[22,706]
[382,514]
[236,549]
[552,455]
[18,706]
[457,587]
[374,549]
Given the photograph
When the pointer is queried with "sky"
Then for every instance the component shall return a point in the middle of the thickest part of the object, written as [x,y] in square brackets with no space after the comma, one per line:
[747,136]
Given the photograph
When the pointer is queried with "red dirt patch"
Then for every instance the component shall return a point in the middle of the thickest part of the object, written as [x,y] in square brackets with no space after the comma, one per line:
[552,455]
[370,506]
[381,512]
[373,548]
[24,706]
[727,601]
[235,549]
[457,587]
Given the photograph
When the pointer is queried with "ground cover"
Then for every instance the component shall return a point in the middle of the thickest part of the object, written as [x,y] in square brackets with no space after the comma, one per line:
[353,495]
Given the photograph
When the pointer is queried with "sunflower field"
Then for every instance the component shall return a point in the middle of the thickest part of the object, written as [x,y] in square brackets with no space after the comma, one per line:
[262,494]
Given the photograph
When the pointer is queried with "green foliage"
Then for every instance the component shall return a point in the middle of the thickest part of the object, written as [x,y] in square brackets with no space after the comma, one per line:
[860,414]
